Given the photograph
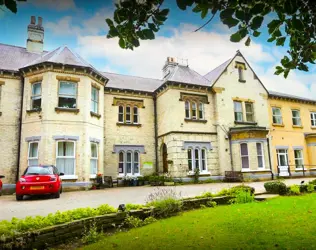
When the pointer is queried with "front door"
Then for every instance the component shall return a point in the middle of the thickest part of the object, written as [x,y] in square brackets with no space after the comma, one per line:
[165,158]
[283,163]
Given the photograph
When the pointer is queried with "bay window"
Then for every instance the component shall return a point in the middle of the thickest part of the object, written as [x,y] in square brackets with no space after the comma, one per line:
[32,154]
[67,95]
[94,158]
[260,155]
[94,100]
[36,97]
[244,155]
[65,158]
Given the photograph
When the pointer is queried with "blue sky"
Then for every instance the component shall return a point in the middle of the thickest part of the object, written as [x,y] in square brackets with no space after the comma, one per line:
[81,26]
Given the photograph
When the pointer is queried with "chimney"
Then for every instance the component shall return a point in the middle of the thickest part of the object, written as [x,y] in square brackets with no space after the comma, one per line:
[35,35]
[169,67]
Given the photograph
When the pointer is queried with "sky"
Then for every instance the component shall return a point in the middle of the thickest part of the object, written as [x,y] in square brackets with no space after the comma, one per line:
[81,26]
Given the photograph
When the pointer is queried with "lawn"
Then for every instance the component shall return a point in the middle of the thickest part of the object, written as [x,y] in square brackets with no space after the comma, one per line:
[281,223]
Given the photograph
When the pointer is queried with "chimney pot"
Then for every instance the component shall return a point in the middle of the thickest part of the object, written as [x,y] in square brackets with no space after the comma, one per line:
[40,21]
[33,20]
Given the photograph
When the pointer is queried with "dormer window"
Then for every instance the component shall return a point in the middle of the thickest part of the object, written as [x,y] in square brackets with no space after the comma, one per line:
[241,68]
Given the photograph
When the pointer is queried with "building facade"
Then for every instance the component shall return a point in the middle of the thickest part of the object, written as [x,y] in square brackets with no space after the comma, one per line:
[55,108]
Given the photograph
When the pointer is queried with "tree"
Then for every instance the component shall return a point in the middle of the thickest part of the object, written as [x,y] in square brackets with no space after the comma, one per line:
[294,24]
[10,4]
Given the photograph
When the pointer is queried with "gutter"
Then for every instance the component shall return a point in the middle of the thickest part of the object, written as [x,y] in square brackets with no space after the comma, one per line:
[20,133]
[269,154]
[156,133]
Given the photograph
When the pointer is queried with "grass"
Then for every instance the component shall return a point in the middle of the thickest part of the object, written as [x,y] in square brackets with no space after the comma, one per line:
[280,223]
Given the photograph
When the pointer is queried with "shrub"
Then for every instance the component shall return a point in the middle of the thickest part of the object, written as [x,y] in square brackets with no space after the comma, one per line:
[234,190]
[134,222]
[211,204]
[275,187]
[196,175]
[242,197]
[313,182]
[204,195]
[130,207]
[294,190]
[90,235]
[310,188]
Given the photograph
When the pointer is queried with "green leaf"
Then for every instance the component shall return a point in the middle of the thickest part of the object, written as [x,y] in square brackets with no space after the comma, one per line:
[257,8]
[196,9]
[285,60]
[161,18]
[277,33]
[273,25]
[122,43]
[153,27]
[227,13]
[290,7]
[279,70]
[11,5]
[164,12]
[148,34]
[230,22]
[303,67]
[204,13]
[109,22]
[256,22]
[271,39]
[256,33]
[297,24]
[113,32]
[182,4]
[247,43]
[286,73]
[240,14]
[236,37]
[135,42]
[280,41]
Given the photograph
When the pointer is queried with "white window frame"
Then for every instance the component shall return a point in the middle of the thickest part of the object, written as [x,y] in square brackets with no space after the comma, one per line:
[138,163]
[244,156]
[132,173]
[95,102]
[286,154]
[297,118]
[187,110]
[262,155]
[313,119]
[193,160]
[277,116]
[67,96]
[128,113]
[36,97]
[301,159]
[122,162]
[201,109]
[28,152]
[205,159]
[94,158]
[121,113]
[74,176]
[194,110]
[137,115]
[238,112]
[190,159]
[252,113]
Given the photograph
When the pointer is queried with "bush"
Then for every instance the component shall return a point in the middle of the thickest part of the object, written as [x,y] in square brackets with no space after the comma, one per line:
[90,235]
[211,204]
[242,197]
[234,190]
[313,182]
[275,187]
[130,207]
[204,195]
[134,222]
[310,188]
[294,190]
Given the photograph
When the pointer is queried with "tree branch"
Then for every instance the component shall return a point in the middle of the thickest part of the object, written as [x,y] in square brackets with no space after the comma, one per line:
[206,23]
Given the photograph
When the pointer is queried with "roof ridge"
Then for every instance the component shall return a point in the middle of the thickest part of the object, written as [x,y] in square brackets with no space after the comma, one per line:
[131,75]
[16,46]
[218,66]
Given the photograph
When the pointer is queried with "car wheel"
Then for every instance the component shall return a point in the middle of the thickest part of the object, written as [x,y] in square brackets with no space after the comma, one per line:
[61,190]
[57,195]
[19,197]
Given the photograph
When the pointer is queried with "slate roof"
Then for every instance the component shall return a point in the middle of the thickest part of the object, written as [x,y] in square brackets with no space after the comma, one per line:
[118,81]
[183,74]
[13,58]
[283,95]
[214,74]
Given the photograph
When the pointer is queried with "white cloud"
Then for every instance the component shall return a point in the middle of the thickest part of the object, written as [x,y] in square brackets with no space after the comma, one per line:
[54,4]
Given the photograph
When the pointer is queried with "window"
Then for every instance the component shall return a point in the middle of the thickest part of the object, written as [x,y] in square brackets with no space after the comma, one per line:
[67,95]
[187,109]
[135,114]
[298,155]
[282,157]
[244,155]
[36,98]
[238,111]
[94,159]
[194,110]
[94,100]
[190,159]
[249,112]
[313,119]
[128,114]
[277,116]
[121,114]
[296,118]
[65,161]
[197,159]
[129,163]
[241,73]
[33,154]
[201,111]
[260,155]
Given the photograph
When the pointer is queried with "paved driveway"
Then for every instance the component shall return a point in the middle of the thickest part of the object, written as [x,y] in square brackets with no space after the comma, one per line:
[9,207]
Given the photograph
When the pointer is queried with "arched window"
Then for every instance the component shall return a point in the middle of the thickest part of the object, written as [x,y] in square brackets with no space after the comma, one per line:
[135,114]
[203,159]
[197,158]
[187,109]
[190,159]
[136,163]
[121,162]
[129,162]
[201,110]
[121,114]
[128,114]
[193,110]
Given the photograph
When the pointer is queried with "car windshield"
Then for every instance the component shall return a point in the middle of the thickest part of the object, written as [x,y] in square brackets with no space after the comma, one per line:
[39,170]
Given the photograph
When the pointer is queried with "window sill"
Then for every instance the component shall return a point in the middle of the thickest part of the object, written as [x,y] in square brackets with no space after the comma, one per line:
[300,169]
[29,111]
[71,110]
[93,176]
[278,125]
[313,128]
[69,177]
[129,124]
[95,114]
[255,170]
[243,81]
[123,176]
[245,123]
[297,126]
[195,120]
[200,174]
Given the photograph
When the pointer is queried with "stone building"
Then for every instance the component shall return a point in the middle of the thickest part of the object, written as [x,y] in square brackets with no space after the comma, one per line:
[55,108]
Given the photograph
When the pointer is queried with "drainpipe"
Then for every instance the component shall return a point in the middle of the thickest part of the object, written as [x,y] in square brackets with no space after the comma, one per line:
[156,133]
[231,150]
[269,154]
[20,134]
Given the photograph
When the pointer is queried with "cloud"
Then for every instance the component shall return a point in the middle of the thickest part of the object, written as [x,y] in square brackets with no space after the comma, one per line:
[54,4]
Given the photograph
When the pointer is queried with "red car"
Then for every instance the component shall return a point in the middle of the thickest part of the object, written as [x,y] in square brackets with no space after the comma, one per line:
[1,176]
[38,180]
